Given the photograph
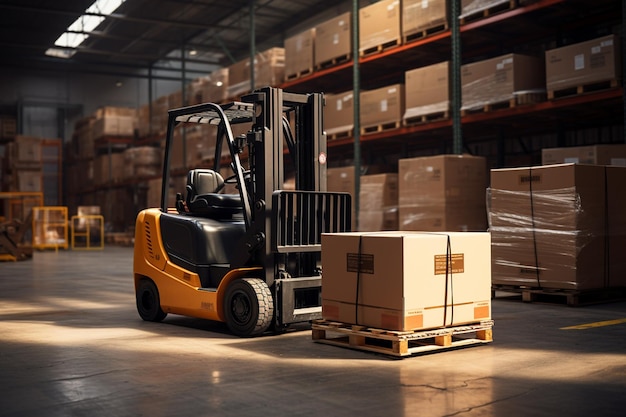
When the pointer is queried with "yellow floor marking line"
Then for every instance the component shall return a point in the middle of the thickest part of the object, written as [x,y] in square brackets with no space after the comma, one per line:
[596,324]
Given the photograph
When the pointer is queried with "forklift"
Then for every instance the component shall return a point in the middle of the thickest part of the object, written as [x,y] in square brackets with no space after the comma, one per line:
[251,259]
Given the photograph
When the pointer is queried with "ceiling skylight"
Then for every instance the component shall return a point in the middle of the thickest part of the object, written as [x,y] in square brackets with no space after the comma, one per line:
[78,31]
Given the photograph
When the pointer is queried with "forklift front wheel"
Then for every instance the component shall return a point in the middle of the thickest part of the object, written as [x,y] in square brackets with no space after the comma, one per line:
[148,301]
[248,307]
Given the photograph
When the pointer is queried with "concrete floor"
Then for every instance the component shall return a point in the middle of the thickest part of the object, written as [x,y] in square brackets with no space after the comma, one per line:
[72,344]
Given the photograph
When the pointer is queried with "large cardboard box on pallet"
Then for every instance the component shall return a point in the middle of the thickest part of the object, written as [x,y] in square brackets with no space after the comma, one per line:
[548,226]
[24,151]
[442,193]
[380,25]
[378,197]
[419,16]
[299,54]
[593,154]
[382,108]
[427,92]
[334,39]
[510,78]
[339,114]
[584,63]
[406,280]
[616,226]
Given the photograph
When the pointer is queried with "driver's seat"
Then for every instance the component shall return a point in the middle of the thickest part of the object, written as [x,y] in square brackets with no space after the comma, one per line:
[203,198]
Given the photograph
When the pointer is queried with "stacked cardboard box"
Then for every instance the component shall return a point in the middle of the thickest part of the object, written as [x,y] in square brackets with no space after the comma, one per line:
[406,281]
[142,162]
[339,114]
[443,193]
[555,226]
[378,198]
[382,106]
[23,164]
[299,54]
[114,121]
[427,91]
[269,69]
[8,127]
[500,80]
[380,24]
[108,168]
[215,89]
[594,61]
[593,154]
[342,180]
[335,41]
[420,15]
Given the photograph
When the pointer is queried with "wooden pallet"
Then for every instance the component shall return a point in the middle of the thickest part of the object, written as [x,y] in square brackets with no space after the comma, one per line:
[380,48]
[426,118]
[582,89]
[488,11]
[332,62]
[340,135]
[401,344]
[572,298]
[379,128]
[298,74]
[518,100]
[424,33]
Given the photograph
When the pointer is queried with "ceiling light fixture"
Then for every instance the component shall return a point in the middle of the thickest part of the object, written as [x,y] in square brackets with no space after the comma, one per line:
[78,31]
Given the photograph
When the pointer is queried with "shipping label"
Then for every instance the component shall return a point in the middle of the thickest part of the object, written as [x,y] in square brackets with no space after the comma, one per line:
[455,263]
[363,263]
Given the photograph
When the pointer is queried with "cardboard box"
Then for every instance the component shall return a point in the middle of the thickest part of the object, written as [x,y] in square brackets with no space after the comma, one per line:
[548,226]
[142,162]
[342,180]
[442,193]
[334,39]
[299,53]
[24,150]
[379,24]
[28,180]
[427,90]
[378,199]
[500,79]
[471,7]
[339,113]
[269,70]
[215,88]
[420,15]
[398,280]
[114,126]
[583,63]
[594,155]
[382,105]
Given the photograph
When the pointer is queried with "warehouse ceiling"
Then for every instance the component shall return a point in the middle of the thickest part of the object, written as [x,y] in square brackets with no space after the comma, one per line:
[164,35]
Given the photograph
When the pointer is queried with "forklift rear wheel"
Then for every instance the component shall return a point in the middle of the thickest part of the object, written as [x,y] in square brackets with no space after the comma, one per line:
[148,301]
[248,307]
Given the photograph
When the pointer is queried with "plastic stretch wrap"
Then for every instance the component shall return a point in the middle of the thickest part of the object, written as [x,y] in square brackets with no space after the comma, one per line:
[545,239]
[442,106]
[418,15]
[470,7]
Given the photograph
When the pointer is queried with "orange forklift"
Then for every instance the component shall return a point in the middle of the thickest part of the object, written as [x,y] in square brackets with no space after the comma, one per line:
[250,259]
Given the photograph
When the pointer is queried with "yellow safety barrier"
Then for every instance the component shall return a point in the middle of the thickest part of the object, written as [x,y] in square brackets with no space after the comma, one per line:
[50,227]
[89,229]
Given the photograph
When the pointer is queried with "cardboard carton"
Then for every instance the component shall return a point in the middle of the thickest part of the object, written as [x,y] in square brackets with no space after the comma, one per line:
[427,90]
[442,193]
[334,38]
[548,226]
[406,280]
[339,113]
[420,15]
[382,105]
[299,53]
[379,24]
[500,79]
[378,199]
[594,155]
[583,63]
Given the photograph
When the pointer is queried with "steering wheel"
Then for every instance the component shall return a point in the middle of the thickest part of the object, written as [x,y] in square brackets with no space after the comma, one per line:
[233,179]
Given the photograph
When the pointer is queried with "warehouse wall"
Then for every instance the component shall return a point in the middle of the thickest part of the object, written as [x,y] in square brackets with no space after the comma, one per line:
[49,104]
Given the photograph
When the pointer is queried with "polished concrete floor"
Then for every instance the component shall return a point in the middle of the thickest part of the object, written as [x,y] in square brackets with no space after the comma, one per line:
[72,344]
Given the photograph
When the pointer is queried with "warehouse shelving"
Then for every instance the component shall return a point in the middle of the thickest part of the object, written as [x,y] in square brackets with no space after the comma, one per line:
[531,27]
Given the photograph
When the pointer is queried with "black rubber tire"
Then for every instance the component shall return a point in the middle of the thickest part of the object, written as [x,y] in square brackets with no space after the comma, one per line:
[148,301]
[248,307]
